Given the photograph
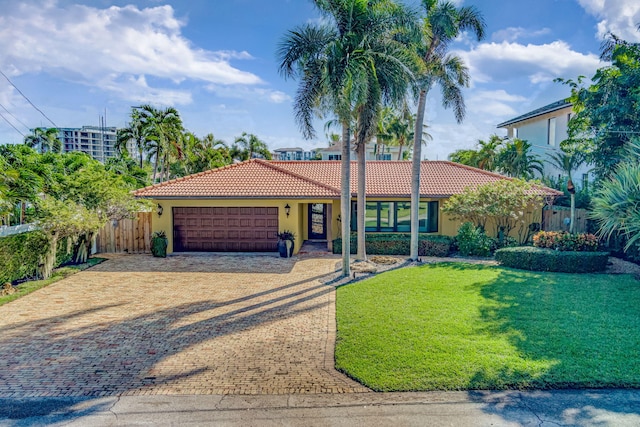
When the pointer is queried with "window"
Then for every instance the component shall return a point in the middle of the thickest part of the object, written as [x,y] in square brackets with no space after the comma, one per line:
[551,132]
[335,156]
[396,217]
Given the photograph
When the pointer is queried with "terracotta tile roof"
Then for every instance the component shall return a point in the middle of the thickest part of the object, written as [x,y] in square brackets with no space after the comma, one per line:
[303,179]
[251,179]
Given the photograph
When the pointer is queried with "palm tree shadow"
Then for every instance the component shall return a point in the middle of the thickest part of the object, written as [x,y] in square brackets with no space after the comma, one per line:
[116,357]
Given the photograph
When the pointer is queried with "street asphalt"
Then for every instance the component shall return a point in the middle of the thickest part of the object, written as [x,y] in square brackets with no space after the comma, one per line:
[475,408]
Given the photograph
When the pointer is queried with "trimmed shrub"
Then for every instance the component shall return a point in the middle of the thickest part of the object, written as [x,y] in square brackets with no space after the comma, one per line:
[472,241]
[539,259]
[399,244]
[21,254]
[563,241]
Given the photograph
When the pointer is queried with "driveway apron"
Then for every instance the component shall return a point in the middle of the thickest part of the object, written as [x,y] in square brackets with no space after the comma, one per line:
[212,324]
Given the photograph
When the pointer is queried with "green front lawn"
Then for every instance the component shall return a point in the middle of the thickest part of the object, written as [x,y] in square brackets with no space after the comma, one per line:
[459,326]
[58,274]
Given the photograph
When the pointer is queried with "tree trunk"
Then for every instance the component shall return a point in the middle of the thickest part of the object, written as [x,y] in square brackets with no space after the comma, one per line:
[155,166]
[573,213]
[415,176]
[345,200]
[49,259]
[361,203]
[400,152]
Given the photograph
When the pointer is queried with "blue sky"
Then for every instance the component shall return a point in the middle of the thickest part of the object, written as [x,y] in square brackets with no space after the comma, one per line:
[215,61]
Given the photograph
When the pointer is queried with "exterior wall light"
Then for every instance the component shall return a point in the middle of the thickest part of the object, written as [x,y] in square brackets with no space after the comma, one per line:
[287,209]
[159,209]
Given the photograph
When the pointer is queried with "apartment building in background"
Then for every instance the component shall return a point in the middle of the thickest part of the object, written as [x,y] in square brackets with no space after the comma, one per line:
[97,141]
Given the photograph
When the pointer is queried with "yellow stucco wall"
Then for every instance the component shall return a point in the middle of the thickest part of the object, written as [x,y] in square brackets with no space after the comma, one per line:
[295,222]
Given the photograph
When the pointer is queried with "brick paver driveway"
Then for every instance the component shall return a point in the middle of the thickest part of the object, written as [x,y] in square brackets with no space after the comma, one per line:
[181,325]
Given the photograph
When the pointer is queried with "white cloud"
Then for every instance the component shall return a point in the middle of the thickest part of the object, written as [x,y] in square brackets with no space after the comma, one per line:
[540,63]
[492,103]
[249,93]
[620,17]
[512,34]
[118,48]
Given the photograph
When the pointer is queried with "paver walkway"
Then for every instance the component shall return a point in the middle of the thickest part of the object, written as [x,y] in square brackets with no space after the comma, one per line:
[181,325]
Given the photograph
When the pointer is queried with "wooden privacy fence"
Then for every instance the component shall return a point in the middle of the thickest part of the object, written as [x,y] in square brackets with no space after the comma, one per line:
[554,220]
[131,236]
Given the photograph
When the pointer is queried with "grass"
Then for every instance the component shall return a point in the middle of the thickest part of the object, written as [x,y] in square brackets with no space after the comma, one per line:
[58,274]
[461,326]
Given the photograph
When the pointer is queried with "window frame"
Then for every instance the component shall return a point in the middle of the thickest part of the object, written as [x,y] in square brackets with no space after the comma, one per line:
[431,222]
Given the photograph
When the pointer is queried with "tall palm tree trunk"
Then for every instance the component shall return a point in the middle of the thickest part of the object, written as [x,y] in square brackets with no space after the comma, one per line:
[361,202]
[415,176]
[155,166]
[573,214]
[400,152]
[345,200]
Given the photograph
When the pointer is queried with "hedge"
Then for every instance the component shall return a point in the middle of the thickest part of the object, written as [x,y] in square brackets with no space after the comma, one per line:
[538,259]
[399,244]
[21,255]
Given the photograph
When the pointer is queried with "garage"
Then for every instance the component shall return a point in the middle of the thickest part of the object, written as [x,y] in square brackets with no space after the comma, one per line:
[225,229]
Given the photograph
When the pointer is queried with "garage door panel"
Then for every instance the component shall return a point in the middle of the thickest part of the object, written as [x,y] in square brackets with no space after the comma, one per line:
[225,229]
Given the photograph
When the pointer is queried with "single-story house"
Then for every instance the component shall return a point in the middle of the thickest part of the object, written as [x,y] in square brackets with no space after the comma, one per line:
[241,207]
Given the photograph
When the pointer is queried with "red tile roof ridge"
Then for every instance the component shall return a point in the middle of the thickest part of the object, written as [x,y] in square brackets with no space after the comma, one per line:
[182,178]
[271,164]
[471,168]
[497,175]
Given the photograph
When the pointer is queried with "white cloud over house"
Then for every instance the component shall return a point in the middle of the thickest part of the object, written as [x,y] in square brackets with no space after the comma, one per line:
[620,17]
[138,54]
[495,62]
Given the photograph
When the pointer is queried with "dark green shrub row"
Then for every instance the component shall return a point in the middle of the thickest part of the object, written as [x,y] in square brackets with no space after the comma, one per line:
[399,244]
[21,254]
[538,259]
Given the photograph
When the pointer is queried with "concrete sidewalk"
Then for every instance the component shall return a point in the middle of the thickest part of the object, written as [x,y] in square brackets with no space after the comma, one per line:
[509,408]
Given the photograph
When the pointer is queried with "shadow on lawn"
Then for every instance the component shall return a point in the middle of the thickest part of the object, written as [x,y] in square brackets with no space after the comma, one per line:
[582,327]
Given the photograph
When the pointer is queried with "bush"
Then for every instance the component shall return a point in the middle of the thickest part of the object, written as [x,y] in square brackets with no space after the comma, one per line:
[21,255]
[399,244]
[563,241]
[539,259]
[472,241]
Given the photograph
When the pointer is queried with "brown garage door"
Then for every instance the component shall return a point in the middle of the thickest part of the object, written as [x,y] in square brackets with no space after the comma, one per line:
[225,229]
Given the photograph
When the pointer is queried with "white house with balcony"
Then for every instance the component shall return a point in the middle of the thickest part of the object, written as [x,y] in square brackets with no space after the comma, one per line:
[545,128]
[295,153]
[373,152]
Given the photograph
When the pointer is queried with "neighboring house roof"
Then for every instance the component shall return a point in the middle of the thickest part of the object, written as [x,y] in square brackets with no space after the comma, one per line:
[258,178]
[285,150]
[558,105]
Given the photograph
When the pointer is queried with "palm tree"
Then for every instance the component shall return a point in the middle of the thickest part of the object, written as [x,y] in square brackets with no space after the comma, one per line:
[569,162]
[336,61]
[136,132]
[488,152]
[616,203]
[516,160]
[164,131]
[401,129]
[468,157]
[442,23]
[26,176]
[44,138]
[248,146]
